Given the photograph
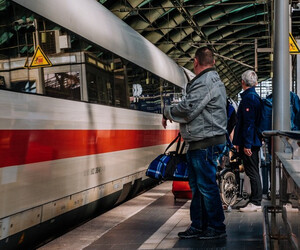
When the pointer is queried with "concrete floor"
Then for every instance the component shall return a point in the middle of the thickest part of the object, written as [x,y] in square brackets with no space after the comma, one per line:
[152,221]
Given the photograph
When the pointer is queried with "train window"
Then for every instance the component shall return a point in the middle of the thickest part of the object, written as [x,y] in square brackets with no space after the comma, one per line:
[106,79]
[120,86]
[24,86]
[172,94]
[2,82]
[149,92]
[144,89]
[93,91]
[81,69]
[63,85]
[100,80]
[15,45]
[99,87]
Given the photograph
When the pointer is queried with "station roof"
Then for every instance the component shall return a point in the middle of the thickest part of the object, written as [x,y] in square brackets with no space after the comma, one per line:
[230,27]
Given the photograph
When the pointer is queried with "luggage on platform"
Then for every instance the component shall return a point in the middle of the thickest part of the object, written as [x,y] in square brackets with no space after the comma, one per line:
[170,165]
[181,190]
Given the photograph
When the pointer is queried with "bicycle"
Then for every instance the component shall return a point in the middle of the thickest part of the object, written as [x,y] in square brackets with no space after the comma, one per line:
[229,179]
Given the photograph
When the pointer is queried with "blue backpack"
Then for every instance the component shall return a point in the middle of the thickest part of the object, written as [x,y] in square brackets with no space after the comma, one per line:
[295,111]
[266,115]
[265,122]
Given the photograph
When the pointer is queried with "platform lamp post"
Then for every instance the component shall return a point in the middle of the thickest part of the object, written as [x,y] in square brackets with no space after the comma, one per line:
[40,86]
[281,95]
[281,80]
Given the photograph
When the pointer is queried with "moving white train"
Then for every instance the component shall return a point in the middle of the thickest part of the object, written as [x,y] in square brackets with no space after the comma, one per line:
[75,138]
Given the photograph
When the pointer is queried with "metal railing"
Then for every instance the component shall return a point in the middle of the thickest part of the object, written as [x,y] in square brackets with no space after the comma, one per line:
[292,144]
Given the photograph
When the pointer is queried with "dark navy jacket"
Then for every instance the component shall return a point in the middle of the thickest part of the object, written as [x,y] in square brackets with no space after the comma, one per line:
[249,114]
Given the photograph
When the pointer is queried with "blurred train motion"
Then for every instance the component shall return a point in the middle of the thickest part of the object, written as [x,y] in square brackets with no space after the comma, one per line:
[77,137]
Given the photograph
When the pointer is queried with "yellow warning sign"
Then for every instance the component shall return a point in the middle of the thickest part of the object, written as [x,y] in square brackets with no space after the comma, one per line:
[294,49]
[39,59]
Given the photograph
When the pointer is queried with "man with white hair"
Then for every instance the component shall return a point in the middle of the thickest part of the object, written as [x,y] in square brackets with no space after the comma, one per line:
[246,138]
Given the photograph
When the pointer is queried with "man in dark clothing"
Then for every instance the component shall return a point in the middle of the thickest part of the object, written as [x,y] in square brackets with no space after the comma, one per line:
[246,138]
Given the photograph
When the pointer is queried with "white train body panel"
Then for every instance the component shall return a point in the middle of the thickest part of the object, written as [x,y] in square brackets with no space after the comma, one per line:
[40,182]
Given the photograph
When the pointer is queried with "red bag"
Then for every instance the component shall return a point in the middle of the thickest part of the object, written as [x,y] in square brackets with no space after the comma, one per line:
[181,189]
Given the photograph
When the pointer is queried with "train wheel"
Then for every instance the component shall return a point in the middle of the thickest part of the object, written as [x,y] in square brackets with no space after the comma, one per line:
[228,189]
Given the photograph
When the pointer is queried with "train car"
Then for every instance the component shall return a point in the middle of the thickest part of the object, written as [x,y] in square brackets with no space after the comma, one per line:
[78,132]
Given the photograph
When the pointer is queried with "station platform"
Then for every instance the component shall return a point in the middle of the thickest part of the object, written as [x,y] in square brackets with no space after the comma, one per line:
[152,221]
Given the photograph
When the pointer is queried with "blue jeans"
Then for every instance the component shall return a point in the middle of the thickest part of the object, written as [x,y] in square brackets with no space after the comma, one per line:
[206,207]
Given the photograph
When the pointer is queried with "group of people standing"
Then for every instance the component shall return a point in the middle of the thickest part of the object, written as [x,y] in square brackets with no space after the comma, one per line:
[202,116]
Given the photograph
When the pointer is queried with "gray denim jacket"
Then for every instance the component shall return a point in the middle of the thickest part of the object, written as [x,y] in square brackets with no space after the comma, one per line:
[202,111]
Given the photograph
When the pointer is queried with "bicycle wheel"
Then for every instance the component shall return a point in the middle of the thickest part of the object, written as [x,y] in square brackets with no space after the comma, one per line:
[228,189]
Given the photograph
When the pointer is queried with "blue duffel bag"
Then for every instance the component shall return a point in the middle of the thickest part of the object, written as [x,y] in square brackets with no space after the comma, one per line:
[170,165]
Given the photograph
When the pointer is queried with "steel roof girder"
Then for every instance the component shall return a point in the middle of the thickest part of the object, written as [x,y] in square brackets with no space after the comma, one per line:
[225,23]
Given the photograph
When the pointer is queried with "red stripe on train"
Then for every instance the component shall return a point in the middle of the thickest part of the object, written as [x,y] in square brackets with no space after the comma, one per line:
[19,147]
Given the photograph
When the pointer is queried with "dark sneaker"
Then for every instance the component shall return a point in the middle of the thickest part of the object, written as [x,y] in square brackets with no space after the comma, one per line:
[210,234]
[190,233]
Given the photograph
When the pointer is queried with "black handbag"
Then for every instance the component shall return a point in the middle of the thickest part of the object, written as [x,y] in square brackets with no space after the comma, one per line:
[170,165]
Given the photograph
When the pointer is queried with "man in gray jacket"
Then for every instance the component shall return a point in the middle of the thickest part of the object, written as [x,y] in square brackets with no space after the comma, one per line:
[203,121]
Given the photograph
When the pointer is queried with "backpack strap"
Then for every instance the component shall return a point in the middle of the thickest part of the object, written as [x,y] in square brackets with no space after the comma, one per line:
[254,93]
